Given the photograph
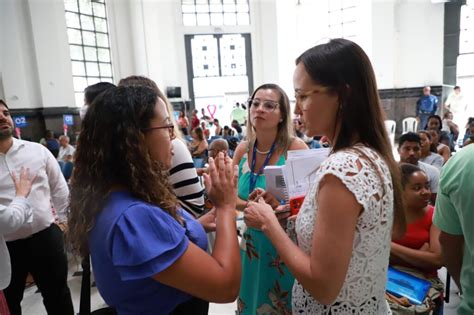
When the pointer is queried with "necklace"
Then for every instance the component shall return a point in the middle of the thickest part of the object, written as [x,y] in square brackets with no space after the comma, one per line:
[261,152]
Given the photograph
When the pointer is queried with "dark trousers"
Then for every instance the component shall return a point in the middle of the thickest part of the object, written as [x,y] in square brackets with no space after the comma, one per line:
[194,306]
[44,257]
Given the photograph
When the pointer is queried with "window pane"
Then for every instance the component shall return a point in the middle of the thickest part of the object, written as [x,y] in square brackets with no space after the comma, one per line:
[72,20]
[106,80]
[99,9]
[188,8]
[91,53]
[89,38]
[243,7]
[92,69]
[229,8]
[91,81]
[215,7]
[85,6]
[216,19]
[202,19]
[70,5]
[335,17]
[348,3]
[74,36]
[243,19]
[204,8]
[189,19]
[80,83]
[102,40]
[348,15]
[76,52]
[104,55]
[87,23]
[78,68]
[105,70]
[187,2]
[229,19]
[335,5]
[100,25]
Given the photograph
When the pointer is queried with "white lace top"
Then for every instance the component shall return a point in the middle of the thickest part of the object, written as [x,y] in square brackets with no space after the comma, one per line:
[364,285]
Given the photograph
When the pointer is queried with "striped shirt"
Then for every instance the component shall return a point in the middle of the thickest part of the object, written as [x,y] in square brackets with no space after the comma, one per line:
[185,181]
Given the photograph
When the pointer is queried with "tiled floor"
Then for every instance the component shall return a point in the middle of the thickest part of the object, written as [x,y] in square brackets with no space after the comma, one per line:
[32,302]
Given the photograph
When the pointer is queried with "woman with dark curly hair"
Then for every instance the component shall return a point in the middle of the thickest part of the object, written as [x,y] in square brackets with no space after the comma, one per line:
[147,254]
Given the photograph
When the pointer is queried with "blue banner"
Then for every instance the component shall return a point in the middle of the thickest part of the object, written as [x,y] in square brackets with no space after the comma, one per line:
[20,121]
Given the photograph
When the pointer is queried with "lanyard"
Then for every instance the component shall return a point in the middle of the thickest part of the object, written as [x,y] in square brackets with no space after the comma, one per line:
[253,175]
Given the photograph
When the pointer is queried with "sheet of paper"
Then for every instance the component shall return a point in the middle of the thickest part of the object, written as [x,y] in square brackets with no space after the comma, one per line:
[275,181]
[300,170]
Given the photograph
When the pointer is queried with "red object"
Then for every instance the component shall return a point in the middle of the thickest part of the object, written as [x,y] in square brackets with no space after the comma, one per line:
[418,232]
[194,122]
[3,305]
[18,132]
[65,129]
[212,110]
[207,133]
[295,204]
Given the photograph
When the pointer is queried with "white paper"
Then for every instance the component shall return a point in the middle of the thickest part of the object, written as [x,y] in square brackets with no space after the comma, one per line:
[300,170]
[275,181]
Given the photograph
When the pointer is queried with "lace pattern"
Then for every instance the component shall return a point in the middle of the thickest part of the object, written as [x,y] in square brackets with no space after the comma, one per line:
[367,176]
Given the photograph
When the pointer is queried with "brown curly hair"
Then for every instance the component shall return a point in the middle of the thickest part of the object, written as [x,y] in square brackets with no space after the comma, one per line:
[111,153]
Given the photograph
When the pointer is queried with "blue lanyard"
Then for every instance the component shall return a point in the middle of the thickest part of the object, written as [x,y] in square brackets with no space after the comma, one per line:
[253,175]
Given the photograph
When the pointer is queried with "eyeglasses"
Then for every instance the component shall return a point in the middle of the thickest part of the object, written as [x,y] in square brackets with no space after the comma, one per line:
[170,128]
[268,105]
[302,95]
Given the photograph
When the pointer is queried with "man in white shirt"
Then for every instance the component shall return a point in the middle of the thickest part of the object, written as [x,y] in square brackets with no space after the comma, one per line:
[456,104]
[17,213]
[36,247]
[409,148]
[66,151]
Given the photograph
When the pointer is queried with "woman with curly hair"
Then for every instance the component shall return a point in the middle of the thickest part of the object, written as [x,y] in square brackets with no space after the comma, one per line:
[147,253]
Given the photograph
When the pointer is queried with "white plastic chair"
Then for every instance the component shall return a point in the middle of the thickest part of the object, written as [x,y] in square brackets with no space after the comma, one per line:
[409,124]
[390,126]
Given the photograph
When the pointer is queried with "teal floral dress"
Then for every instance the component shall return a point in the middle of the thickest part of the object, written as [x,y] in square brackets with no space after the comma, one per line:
[266,282]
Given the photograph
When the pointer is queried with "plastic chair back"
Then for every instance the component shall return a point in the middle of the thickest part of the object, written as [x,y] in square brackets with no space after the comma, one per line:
[410,124]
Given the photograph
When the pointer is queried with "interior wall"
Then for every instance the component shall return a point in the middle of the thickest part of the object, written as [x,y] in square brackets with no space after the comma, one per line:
[407,41]
[147,37]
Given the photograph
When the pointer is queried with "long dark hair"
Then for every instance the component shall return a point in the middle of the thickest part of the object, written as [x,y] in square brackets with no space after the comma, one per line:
[285,132]
[111,152]
[344,68]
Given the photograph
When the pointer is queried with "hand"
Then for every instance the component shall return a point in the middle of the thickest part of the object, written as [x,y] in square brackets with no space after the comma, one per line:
[221,182]
[208,221]
[62,226]
[255,195]
[268,197]
[425,247]
[259,215]
[283,214]
[24,183]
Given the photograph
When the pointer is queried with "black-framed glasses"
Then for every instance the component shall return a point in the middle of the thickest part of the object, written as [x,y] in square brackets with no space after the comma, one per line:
[268,105]
[170,128]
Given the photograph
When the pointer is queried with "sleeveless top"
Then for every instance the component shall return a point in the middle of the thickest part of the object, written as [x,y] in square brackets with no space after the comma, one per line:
[364,285]
[244,176]
[266,282]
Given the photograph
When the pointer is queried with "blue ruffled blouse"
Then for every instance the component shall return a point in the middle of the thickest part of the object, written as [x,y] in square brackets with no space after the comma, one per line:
[131,241]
